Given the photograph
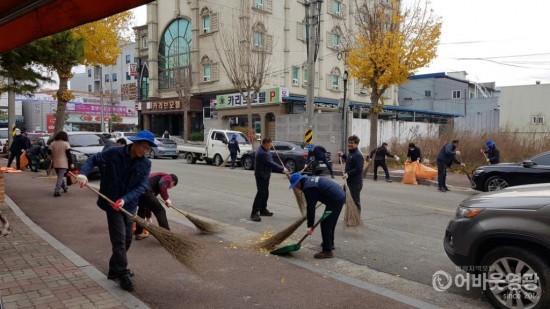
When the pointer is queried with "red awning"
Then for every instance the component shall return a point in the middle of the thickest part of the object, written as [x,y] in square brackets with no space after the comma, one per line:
[23,21]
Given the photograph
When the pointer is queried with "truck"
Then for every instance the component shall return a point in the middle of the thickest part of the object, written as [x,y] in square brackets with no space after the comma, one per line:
[214,149]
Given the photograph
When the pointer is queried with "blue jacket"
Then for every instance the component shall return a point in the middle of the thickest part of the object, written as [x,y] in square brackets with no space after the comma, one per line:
[318,189]
[354,165]
[264,163]
[233,146]
[121,176]
[447,155]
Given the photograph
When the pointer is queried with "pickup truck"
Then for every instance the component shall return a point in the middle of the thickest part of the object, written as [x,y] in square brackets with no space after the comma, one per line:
[214,150]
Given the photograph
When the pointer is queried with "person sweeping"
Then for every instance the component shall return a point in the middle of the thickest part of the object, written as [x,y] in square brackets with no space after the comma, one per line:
[318,189]
[124,179]
[159,183]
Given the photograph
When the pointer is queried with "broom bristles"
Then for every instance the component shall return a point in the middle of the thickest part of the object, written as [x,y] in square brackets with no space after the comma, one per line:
[352,216]
[203,226]
[300,199]
[180,247]
[272,242]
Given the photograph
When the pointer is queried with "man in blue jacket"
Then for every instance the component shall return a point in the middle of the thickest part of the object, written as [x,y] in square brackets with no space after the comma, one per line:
[354,169]
[262,171]
[233,147]
[318,189]
[445,159]
[124,178]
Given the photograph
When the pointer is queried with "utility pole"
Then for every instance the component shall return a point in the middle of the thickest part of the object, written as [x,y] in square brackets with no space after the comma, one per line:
[313,8]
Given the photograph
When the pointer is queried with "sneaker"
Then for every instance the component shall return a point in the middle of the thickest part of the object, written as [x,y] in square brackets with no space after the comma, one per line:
[255,217]
[126,283]
[56,194]
[389,180]
[324,255]
[142,236]
[65,190]
[266,213]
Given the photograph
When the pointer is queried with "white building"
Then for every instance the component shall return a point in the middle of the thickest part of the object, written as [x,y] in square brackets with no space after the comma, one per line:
[525,109]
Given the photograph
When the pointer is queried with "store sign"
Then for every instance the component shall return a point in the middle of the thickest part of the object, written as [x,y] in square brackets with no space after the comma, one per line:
[50,123]
[164,105]
[267,96]
[133,69]
[95,109]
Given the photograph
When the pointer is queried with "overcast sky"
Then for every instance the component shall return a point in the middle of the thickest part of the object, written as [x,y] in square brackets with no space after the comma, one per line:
[510,40]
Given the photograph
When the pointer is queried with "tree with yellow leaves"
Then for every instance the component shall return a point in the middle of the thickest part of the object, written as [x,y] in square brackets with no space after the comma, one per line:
[392,42]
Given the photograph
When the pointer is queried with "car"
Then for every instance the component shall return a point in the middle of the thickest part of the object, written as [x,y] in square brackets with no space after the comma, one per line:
[125,135]
[505,237]
[83,145]
[293,155]
[165,148]
[4,133]
[34,137]
[499,176]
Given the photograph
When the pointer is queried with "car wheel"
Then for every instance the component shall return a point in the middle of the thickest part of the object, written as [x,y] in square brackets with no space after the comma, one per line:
[190,159]
[218,160]
[247,163]
[516,278]
[152,154]
[495,183]
[291,166]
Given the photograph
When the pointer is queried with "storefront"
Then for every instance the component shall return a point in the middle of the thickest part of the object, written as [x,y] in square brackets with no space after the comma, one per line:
[161,115]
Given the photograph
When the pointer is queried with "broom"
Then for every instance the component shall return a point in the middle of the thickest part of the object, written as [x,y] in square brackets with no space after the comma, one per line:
[352,216]
[300,199]
[179,246]
[203,226]
[224,162]
[276,239]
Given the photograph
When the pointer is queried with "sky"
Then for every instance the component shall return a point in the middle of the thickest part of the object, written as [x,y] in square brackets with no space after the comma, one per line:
[501,41]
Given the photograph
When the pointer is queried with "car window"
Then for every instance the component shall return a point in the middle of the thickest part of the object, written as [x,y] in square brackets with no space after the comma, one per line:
[4,133]
[85,140]
[241,139]
[218,136]
[542,159]
[165,141]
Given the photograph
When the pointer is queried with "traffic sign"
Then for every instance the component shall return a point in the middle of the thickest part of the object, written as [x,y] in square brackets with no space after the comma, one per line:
[308,137]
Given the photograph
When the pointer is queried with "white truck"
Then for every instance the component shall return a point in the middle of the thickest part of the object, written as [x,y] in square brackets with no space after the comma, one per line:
[214,149]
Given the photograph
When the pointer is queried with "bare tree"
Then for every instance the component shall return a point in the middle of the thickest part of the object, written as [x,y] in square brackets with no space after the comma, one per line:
[184,82]
[244,51]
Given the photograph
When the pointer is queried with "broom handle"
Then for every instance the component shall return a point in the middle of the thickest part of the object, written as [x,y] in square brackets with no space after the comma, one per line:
[279,159]
[323,217]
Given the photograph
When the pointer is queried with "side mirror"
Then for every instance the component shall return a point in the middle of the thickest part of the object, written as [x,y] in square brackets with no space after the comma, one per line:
[528,163]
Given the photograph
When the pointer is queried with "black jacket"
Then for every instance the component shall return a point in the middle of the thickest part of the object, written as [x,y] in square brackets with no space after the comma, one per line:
[493,154]
[319,152]
[319,189]
[20,142]
[354,166]
[380,153]
[447,155]
[264,163]
[233,146]
[414,154]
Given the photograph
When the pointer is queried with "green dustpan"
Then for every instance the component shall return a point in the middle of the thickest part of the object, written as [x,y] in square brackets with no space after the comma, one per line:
[295,247]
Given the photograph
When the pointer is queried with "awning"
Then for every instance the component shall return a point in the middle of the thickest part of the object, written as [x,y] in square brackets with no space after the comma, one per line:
[406,110]
[315,100]
[23,21]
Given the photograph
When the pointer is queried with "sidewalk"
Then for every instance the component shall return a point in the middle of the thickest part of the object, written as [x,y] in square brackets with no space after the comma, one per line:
[62,264]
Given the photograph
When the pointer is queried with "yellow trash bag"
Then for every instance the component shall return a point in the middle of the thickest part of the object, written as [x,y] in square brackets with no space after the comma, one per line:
[410,173]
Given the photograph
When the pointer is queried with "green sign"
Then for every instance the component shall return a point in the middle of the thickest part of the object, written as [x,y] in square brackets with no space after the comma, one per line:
[267,96]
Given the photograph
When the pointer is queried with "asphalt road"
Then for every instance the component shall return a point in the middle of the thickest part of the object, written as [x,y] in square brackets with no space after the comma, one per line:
[400,247]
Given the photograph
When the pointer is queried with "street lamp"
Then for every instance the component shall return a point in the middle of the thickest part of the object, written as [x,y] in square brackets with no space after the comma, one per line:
[345,112]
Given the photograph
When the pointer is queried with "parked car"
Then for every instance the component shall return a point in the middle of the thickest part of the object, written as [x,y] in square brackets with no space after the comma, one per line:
[125,135]
[165,148]
[293,155]
[505,237]
[499,176]
[34,137]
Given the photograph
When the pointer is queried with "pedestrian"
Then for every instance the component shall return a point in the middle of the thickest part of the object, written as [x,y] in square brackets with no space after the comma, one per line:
[159,183]
[492,152]
[318,189]
[34,154]
[445,159]
[353,172]
[20,143]
[166,134]
[121,142]
[379,154]
[124,179]
[413,154]
[262,172]
[61,160]
[316,154]
[233,146]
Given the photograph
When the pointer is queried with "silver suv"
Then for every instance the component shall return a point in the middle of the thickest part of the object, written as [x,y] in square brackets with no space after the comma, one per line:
[505,237]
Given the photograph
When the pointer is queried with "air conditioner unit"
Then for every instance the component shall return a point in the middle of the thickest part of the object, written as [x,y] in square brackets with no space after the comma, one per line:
[205,30]
[363,91]
[294,82]
[206,78]
[335,87]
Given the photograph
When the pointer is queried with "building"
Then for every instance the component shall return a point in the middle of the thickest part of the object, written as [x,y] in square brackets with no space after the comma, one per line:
[448,92]
[525,109]
[190,32]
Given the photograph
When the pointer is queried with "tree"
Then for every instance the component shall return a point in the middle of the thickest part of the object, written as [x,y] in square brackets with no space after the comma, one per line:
[245,53]
[184,83]
[390,44]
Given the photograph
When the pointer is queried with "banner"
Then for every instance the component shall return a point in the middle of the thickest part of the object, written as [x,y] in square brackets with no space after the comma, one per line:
[268,96]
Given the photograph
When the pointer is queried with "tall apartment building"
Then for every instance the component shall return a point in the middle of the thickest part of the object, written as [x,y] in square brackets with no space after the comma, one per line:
[193,29]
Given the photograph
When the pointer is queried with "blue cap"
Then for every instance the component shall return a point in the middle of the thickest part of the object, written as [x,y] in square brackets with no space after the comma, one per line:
[234,136]
[144,136]
[490,143]
[295,179]
[311,146]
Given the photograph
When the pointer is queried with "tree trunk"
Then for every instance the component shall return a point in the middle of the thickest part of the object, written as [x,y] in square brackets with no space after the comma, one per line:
[249,113]
[186,118]
[61,103]
[373,130]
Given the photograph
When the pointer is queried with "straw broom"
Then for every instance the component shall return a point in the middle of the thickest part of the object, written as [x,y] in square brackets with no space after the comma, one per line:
[352,216]
[272,242]
[179,246]
[224,162]
[203,226]
[300,199]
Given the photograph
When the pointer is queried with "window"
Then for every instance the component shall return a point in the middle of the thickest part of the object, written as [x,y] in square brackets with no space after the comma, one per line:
[114,77]
[456,94]
[305,76]
[207,72]
[128,58]
[128,76]
[206,24]
[295,72]
[89,72]
[144,41]
[335,81]
[106,77]
[174,51]
[89,88]
[335,39]
[258,39]
[542,159]
[337,7]
[428,93]
[259,4]
[537,119]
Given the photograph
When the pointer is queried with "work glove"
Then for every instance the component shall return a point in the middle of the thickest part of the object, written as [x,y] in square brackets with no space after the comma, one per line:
[487,160]
[118,204]
[310,230]
[418,160]
[286,171]
[481,150]
[345,176]
[463,164]
[457,152]
[82,180]
[396,158]
[168,203]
